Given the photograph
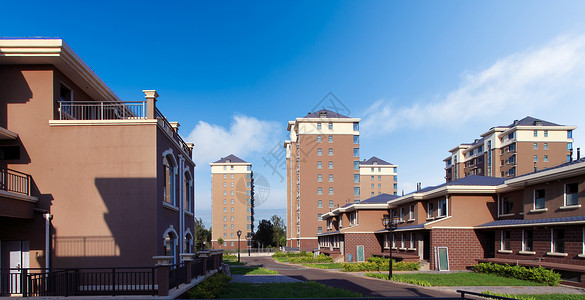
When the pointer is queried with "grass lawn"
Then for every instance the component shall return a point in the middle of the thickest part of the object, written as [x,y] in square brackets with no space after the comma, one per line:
[233,263]
[324,266]
[284,290]
[456,279]
[547,296]
[251,271]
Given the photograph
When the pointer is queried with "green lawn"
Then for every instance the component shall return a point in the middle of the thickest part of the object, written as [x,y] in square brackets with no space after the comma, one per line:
[251,271]
[233,263]
[544,296]
[456,279]
[284,290]
[324,266]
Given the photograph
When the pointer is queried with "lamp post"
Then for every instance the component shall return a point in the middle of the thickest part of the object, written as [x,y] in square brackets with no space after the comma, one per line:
[239,234]
[249,239]
[390,224]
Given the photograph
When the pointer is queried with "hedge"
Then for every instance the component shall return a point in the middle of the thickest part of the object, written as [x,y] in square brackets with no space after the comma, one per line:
[379,264]
[539,274]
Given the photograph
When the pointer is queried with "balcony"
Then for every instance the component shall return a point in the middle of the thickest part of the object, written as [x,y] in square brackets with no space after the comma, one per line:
[113,111]
[15,198]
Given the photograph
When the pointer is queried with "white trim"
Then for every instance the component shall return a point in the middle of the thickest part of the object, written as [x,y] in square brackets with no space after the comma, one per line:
[540,210]
[170,229]
[506,215]
[169,206]
[570,207]
[505,251]
[526,252]
[102,122]
[557,254]
[453,227]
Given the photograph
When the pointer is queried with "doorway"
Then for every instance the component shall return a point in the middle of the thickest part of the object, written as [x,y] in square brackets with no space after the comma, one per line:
[14,256]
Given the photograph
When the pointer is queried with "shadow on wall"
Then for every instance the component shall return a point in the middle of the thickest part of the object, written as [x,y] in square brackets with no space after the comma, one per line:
[129,237]
[13,89]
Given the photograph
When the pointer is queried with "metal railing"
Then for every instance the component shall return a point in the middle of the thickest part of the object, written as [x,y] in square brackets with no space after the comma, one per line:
[171,131]
[14,181]
[102,110]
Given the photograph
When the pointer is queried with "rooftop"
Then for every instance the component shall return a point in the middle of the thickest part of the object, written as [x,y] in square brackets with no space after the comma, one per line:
[230,159]
[382,198]
[375,160]
[324,113]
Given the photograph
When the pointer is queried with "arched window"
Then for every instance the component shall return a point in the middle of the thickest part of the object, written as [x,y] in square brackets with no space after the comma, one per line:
[188,242]
[170,240]
[187,191]
[169,179]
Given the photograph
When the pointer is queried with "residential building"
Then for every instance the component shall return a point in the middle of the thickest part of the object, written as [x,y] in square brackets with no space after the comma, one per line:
[232,201]
[377,177]
[522,147]
[350,231]
[322,160]
[88,180]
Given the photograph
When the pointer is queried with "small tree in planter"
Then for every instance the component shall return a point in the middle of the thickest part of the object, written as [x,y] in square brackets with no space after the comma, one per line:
[220,242]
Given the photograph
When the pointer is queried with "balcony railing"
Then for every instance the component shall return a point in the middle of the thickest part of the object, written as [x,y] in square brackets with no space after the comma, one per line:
[102,110]
[14,181]
[171,131]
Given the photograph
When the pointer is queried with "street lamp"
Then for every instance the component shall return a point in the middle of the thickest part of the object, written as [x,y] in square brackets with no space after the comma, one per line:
[249,239]
[390,224]
[239,234]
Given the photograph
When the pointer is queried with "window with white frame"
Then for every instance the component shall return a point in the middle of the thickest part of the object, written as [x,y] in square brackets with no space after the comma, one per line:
[386,241]
[330,126]
[394,241]
[319,126]
[319,165]
[402,214]
[411,213]
[330,191]
[557,241]
[506,206]
[527,240]
[320,203]
[319,191]
[505,240]
[545,146]
[169,188]
[330,165]
[539,199]
[430,210]
[330,203]
[319,178]
[330,151]
[187,192]
[319,139]
[442,208]
[402,240]
[353,218]
[330,177]
[571,194]
[411,246]
[330,139]
[319,151]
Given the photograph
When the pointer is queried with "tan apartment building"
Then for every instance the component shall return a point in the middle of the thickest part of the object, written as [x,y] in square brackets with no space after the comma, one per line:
[322,159]
[87,179]
[378,177]
[232,201]
[522,147]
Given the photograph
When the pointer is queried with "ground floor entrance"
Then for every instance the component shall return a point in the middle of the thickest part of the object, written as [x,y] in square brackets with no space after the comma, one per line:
[14,256]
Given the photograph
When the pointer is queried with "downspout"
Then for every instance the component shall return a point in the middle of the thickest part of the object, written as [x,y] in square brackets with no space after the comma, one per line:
[181,203]
[48,218]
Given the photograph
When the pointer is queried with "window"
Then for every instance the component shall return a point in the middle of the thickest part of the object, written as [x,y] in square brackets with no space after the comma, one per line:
[232,193]
[356,139]
[527,240]
[395,186]
[330,139]
[411,213]
[430,210]
[170,244]
[569,134]
[319,177]
[545,158]
[539,197]
[319,217]
[330,151]
[356,178]
[372,194]
[319,139]
[232,209]
[511,136]
[379,185]
[386,238]
[372,186]
[319,126]
[506,206]
[169,182]
[558,241]
[356,126]
[330,165]
[319,151]
[225,218]
[232,168]
[545,146]
[232,218]
[546,133]
[356,165]
[225,184]
[330,126]
[187,192]
[356,151]
[319,191]
[402,214]
[411,246]
[356,191]
[330,191]
[372,169]
[232,184]
[224,201]
[320,203]
[379,170]
[535,146]
[505,241]
[225,209]
[535,158]
[372,178]
[442,212]
[232,201]
[232,176]
[224,176]
[330,203]
[319,165]
[319,229]
[353,218]
[535,133]
[330,177]
[232,226]
[224,226]
[571,194]
[402,238]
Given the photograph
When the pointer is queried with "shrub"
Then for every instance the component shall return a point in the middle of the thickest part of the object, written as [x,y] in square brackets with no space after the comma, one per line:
[310,259]
[539,274]
[210,288]
[379,264]
[405,280]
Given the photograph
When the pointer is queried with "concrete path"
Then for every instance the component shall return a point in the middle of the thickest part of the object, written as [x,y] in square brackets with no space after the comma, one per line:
[366,286]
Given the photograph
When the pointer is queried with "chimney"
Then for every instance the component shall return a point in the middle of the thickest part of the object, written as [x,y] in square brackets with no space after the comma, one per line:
[175,126]
[402,192]
[578,153]
[515,122]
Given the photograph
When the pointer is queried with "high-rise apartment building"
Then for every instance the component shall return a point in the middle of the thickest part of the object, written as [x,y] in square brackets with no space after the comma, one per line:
[377,177]
[232,201]
[322,159]
[522,147]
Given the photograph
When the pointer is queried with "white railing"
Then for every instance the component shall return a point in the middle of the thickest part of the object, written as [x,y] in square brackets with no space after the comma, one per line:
[101,110]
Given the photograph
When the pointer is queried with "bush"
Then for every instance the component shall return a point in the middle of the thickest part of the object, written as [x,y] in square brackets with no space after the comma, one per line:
[310,259]
[539,274]
[379,264]
[405,280]
[210,287]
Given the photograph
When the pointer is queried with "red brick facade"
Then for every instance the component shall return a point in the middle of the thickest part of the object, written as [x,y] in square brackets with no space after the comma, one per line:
[464,246]
[368,240]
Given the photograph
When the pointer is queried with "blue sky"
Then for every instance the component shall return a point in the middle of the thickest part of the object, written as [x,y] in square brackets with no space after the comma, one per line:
[424,76]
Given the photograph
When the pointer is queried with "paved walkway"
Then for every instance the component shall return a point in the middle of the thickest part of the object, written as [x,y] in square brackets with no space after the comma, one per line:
[354,282]
[372,287]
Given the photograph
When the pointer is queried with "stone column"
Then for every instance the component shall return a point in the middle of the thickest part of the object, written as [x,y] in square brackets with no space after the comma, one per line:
[187,258]
[150,96]
[163,264]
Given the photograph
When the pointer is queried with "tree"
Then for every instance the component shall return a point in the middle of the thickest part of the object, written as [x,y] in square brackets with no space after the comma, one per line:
[279,231]
[265,233]
[220,242]
[202,236]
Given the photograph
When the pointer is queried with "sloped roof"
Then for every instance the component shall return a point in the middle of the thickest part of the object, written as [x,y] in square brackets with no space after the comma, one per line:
[530,121]
[520,222]
[232,158]
[374,159]
[555,167]
[468,180]
[382,198]
[328,114]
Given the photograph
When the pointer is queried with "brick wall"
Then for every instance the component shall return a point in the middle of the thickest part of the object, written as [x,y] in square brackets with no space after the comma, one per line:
[542,245]
[368,240]
[464,246]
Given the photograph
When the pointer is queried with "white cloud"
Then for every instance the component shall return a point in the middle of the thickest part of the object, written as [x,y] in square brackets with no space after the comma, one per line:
[246,135]
[523,83]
